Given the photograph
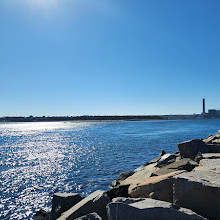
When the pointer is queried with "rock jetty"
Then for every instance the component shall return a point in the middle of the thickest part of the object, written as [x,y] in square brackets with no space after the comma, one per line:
[182,185]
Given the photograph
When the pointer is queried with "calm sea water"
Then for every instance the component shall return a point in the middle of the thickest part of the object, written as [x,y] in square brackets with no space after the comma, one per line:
[40,158]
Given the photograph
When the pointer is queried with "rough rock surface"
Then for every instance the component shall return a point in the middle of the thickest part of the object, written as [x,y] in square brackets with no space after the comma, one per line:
[190,149]
[140,175]
[95,202]
[122,176]
[183,164]
[210,164]
[166,159]
[211,156]
[61,202]
[90,216]
[149,209]
[157,187]
[198,191]
[213,139]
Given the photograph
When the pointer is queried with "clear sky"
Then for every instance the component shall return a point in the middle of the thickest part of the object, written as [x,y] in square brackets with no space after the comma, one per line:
[108,57]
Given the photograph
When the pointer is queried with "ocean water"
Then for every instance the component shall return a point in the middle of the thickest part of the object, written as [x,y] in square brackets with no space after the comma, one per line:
[40,158]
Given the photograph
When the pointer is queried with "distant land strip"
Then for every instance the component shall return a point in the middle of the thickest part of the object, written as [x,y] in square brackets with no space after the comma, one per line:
[80,118]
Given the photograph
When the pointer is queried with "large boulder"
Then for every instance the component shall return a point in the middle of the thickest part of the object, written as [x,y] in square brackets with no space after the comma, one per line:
[90,216]
[148,209]
[61,202]
[183,164]
[198,191]
[157,187]
[140,175]
[95,202]
[190,149]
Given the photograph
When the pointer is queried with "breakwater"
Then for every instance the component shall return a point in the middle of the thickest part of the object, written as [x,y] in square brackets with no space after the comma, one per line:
[181,185]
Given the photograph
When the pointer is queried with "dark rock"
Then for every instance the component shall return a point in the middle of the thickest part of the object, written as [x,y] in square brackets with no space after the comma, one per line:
[198,157]
[62,202]
[162,153]
[120,191]
[198,191]
[190,149]
[95,202]
[41,215]
[149,209]
[90,216]
[183,164]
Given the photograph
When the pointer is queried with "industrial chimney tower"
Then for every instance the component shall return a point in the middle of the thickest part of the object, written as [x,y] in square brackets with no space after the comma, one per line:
[203,110]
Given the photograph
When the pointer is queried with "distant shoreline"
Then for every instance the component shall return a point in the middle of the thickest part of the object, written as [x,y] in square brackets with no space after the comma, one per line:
[101,118]
[81,119]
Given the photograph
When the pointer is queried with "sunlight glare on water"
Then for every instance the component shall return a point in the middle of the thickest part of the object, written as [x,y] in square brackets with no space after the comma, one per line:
[38,159]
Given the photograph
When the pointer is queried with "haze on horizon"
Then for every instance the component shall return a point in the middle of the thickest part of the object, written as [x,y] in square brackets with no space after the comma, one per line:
[99,57]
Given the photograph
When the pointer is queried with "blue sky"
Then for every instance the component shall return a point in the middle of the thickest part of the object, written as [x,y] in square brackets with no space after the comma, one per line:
[99,57]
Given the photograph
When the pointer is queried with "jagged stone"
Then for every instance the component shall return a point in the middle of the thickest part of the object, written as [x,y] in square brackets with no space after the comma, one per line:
[61,202]
[198,191]
[213,139]
[157,187]
[190,149]
[166,159]
[95,202]
[90,216]
[183,164]
[149,209]
[122,176]
[140,175]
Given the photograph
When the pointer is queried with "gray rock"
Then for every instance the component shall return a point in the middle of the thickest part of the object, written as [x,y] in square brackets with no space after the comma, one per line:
[95,202]
[90,216]
[149,209]
[190,149]
[61,202]
[198,191]
[211,156]
[210,164]
[183,164]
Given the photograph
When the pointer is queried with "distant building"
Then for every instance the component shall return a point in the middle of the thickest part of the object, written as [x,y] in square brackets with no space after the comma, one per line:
[213,113]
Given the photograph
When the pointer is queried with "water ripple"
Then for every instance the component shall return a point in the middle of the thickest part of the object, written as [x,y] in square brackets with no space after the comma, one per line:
[40,158]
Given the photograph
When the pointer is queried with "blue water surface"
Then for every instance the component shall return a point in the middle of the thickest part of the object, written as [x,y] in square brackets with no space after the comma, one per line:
[38,159]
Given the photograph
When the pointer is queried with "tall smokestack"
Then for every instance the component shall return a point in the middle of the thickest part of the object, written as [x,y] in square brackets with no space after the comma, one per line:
[203,106]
